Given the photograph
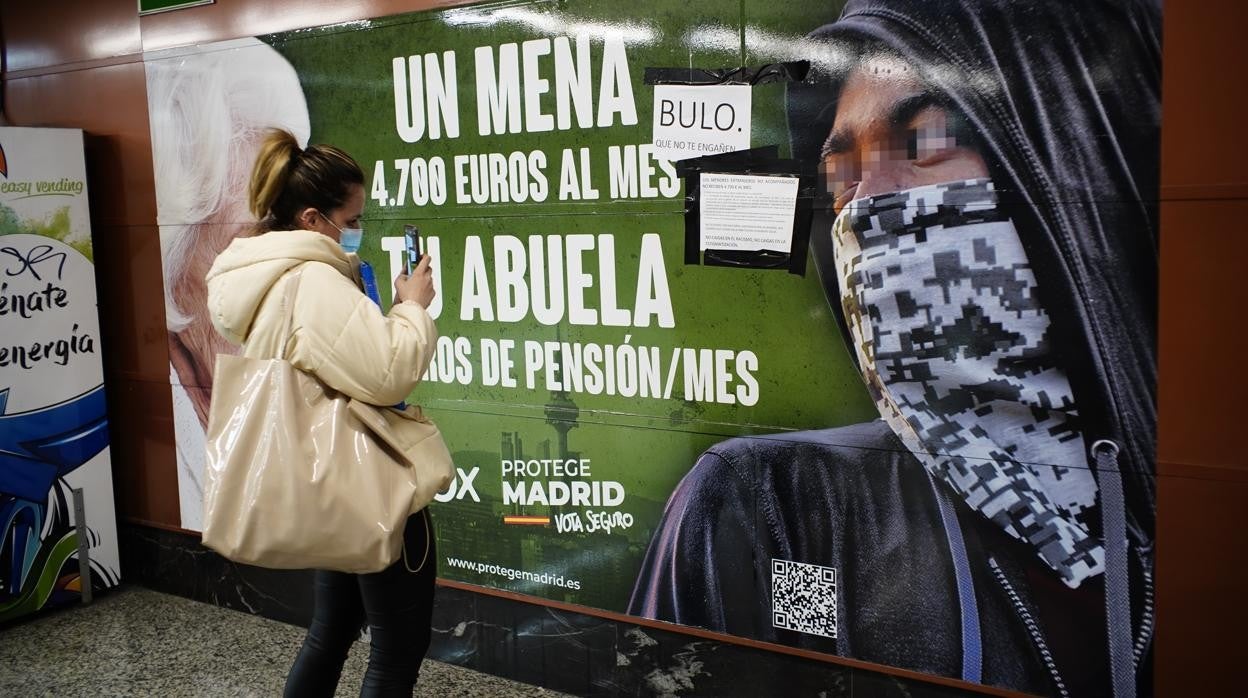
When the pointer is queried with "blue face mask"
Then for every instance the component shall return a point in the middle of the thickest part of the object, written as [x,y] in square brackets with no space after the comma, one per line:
[348,238]
[351,238]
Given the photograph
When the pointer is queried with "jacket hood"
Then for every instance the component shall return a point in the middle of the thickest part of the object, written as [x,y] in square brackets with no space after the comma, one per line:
[1064,100]
[244,272]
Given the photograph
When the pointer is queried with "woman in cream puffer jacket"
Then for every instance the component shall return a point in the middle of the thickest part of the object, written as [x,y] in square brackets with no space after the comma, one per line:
[309,202]
[337,333]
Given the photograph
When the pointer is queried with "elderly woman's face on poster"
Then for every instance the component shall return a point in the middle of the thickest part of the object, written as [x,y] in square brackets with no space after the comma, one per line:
[194,345]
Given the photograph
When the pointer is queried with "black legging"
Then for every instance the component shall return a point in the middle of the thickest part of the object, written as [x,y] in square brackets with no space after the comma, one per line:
[397,605]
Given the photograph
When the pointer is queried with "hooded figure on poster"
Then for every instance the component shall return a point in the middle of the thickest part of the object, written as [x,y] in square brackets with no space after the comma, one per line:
[989,246]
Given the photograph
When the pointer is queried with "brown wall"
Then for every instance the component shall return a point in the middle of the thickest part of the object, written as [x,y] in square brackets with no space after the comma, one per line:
[82,68]
[1202,508]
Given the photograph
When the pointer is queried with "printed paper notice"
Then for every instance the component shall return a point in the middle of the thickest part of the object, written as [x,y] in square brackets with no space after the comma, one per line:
[747,213]
[691,121]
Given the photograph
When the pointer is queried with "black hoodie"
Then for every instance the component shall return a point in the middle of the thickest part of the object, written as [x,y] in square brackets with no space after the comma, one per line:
[1063,99]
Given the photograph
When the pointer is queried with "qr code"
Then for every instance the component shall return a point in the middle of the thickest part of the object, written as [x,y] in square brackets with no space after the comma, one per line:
[803,597]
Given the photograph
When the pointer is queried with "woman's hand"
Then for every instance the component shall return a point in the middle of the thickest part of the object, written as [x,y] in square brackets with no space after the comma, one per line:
[418,287]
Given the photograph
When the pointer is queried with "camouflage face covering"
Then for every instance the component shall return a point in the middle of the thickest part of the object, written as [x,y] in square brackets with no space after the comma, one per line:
[942,307]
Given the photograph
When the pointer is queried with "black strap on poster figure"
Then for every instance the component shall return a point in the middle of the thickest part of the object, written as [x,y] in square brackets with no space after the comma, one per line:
[792,71]
[762,161]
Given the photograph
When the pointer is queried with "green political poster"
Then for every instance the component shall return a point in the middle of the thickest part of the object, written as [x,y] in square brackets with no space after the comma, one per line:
[582,365]
[780,450]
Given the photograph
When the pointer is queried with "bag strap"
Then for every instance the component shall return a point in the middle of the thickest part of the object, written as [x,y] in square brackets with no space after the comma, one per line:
[288,309]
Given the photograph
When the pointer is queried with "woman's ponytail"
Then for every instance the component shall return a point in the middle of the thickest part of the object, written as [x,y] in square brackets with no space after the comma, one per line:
[287,179]
[268,177]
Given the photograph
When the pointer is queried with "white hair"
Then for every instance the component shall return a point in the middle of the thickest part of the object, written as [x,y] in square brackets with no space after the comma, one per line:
[207,106]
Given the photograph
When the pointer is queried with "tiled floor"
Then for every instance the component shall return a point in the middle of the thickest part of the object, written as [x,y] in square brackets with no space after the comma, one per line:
[136,642]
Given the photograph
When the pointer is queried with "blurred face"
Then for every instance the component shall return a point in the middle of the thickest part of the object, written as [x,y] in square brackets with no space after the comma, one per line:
[890,134]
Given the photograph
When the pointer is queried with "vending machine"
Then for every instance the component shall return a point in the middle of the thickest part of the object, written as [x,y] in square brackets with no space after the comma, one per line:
[58,528]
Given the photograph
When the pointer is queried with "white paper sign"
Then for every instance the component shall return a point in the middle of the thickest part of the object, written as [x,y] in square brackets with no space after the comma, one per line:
[746,212]
[695,120]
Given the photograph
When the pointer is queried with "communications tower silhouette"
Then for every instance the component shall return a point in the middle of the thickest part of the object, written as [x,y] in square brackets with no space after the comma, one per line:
[561,411]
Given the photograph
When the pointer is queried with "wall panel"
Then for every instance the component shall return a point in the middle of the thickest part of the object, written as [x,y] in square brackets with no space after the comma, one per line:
[1201,517]
[109,102]
[1203,242]
[36,37]
[143,451]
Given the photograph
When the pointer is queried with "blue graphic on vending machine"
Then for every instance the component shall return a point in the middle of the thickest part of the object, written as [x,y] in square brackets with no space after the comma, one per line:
[39,543]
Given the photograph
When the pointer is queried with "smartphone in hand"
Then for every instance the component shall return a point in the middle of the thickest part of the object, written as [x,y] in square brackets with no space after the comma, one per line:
[411,247]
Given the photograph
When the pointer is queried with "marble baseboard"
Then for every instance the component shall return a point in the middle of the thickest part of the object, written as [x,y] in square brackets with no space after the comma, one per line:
[560,650]
[590,656]
[177,563]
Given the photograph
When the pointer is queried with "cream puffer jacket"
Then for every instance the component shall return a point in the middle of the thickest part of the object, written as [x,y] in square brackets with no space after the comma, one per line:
[336,332]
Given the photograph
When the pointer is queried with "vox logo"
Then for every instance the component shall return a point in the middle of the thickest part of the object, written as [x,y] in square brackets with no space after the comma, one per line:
[462,486]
